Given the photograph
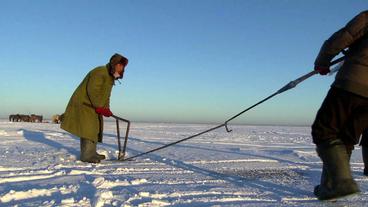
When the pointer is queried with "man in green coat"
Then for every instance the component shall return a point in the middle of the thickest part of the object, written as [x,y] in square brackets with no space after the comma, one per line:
[83,116]
[343,114]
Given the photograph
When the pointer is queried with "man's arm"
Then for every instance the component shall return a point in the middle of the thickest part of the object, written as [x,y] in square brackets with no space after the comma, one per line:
[342,39]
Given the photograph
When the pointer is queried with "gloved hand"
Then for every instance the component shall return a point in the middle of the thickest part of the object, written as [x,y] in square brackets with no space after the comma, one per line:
[323,70]
[103,111]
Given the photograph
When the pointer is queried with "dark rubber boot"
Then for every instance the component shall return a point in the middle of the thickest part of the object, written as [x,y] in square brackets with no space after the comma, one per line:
[337,180]
[365,159]
[88,151]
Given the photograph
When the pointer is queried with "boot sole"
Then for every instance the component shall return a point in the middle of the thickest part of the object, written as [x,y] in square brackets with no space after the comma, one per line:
[101,157]
[91,161]
[341,197]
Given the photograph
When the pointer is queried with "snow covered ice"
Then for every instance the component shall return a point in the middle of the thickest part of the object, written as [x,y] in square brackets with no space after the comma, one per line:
[251,166]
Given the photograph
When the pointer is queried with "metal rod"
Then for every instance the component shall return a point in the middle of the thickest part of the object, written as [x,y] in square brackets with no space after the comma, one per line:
[125,141]
[173,143]
[245,110]
[118,136]
[288,86]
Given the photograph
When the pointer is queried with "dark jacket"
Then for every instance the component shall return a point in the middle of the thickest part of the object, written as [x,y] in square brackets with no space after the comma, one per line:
[353,75]
[80,117]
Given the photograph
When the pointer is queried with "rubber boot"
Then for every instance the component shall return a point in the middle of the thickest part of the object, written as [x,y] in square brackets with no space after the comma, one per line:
[365,159]
[88,151]
[325,178]
[336,180]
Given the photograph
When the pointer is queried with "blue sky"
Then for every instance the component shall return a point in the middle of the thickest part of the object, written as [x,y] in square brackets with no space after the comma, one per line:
[190,60]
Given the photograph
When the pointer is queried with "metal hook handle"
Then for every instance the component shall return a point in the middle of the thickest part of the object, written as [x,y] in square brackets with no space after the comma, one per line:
[227,128]
[121,155]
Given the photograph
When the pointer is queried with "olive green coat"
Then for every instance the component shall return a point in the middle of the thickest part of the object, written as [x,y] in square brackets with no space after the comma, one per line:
[80,117]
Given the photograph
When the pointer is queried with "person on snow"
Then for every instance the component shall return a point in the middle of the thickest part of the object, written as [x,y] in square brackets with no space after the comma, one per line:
[84,113]
[364,144]
[343,114]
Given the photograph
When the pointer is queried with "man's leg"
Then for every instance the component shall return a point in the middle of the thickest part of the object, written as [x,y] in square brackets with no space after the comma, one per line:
[333,147]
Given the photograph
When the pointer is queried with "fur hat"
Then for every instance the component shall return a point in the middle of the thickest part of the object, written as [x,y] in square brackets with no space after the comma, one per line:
[115,59]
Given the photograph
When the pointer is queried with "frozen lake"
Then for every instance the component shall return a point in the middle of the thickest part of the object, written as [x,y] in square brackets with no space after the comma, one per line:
[251,166]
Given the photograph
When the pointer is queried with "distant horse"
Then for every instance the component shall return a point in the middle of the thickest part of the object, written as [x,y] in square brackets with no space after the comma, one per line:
[36,118]
[25,118]
[14,117]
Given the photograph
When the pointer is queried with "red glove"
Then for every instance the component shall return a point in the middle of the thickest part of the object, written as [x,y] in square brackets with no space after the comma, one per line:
[103,111]
[323,70]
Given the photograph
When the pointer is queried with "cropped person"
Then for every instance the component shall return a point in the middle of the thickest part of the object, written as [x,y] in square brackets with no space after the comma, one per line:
[343,114]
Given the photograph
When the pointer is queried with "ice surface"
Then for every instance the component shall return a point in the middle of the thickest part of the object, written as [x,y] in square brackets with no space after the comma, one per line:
[252,166]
